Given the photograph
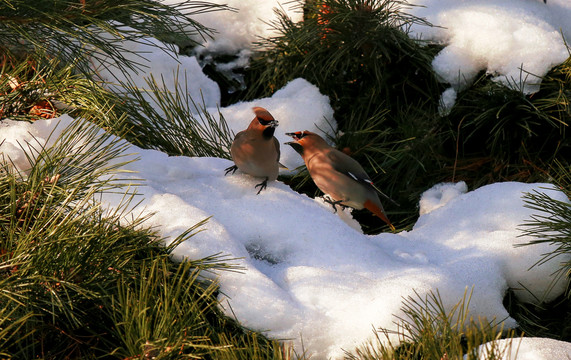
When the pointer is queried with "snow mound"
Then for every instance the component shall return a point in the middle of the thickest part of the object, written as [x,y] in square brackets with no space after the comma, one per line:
[249,20]
[527,349]
[517,41]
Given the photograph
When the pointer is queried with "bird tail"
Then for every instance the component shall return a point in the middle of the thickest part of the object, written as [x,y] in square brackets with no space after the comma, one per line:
[375,209]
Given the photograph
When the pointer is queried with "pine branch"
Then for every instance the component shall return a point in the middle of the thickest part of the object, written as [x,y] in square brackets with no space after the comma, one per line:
[75,31]
[71,272]
[553,226]
[171,121]
[63,259]
[429,330]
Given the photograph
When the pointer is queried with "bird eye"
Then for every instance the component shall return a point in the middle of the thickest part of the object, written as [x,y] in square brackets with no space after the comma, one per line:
[264,122]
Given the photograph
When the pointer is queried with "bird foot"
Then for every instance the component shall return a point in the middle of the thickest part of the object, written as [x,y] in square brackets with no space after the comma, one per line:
[232,169]
[334,203]
[262,185]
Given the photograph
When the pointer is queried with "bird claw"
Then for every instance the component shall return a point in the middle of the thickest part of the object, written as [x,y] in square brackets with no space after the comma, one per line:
[262,185]
[334,203]
[232,169]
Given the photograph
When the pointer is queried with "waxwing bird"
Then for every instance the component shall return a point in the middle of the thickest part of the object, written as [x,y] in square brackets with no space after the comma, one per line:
[255,151]
[337,174]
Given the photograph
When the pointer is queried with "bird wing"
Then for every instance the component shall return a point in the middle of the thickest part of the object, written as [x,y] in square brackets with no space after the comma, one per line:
[347,165]
[277,145]
[350,167]
[240,136]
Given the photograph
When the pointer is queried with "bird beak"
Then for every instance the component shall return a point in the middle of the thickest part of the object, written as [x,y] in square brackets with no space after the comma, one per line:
[274,123]
[296,146]
[293,135]
[295,138]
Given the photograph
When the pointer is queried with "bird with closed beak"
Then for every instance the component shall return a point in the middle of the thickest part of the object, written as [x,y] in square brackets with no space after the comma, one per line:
[337,174]
[255,151]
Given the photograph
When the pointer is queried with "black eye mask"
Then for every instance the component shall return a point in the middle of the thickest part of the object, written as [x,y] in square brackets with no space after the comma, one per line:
[264,122]
[297,136]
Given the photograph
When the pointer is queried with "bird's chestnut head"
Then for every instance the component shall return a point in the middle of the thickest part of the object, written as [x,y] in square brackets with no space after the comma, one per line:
[264,117]
[264,121]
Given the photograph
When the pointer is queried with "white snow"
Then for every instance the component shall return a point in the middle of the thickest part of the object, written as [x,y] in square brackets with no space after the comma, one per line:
[249,21]
[310,274]
[168,69]
[526,349]
[447,101]
[307,274]
[516,41]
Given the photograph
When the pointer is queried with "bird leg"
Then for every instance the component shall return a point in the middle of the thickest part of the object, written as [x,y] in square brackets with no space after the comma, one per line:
[232,169]
[262,185]
[334,203]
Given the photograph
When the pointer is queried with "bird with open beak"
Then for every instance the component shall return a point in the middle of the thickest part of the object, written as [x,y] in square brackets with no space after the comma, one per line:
[255,151]
[337,174]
